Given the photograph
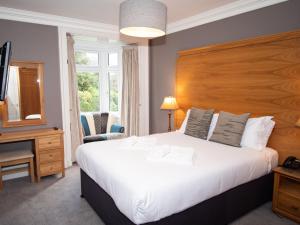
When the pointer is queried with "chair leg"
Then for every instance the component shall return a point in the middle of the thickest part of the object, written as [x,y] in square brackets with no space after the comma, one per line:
[31,170]
[1,182]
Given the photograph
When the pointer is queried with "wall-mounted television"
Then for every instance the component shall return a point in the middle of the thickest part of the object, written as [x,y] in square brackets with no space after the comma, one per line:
[5,52]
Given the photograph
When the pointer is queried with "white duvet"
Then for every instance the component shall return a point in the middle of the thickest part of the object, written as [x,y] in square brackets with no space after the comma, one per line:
[147,191]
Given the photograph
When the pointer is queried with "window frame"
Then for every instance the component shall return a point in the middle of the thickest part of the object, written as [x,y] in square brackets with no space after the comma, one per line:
[103,70]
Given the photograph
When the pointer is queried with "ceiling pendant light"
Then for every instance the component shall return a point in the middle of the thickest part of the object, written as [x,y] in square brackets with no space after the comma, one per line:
[143,18]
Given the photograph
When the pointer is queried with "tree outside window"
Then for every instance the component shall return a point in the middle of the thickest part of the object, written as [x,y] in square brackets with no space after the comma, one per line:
[88,90]
[98,77]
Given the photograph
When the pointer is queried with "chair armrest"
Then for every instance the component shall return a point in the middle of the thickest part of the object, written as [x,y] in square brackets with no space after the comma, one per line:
[117,129]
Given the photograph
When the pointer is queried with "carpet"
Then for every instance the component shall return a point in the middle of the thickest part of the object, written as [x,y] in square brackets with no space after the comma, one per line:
[56,201]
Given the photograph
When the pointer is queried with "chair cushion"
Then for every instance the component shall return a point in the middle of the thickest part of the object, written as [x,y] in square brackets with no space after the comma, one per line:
[103,137]
[100,120]
[104,119]
[85,125]
[97,137]
[97,120]
[116,129]
[90,120]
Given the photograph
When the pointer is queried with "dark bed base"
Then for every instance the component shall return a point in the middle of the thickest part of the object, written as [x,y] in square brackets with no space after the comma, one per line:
[219,210]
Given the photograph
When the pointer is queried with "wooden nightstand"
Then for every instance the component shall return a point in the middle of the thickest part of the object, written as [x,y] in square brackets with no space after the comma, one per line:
[286,195]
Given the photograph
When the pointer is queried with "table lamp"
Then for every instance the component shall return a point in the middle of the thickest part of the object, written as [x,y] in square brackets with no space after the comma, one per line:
[169,104]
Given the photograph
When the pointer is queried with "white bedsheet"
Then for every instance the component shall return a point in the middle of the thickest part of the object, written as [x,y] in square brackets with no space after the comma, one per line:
[148,191]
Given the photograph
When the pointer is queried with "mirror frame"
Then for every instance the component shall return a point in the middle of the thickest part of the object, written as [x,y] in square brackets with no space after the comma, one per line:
[5,122]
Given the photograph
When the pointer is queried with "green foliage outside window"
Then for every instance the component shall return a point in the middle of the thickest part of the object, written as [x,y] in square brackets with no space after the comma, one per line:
[88,85]
[88,90]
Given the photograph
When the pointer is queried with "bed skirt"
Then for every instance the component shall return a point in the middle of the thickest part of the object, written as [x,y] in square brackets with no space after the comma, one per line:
[219,210]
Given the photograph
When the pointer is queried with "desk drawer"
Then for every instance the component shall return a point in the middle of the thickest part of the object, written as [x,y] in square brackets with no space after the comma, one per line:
[51,168]
[53,141]
[289,204]
[51,156]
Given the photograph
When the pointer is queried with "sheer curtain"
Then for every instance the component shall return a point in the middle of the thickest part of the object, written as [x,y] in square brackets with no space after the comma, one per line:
[76,130]
[130,91]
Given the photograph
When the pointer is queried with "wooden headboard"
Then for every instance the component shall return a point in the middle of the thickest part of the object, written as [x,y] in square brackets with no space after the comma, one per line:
[260,75]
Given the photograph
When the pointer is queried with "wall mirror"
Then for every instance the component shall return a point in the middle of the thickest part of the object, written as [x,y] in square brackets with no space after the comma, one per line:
[24,104]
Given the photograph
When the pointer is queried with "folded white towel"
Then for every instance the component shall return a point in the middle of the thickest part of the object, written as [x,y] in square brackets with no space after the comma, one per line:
[171,154]
[137,143]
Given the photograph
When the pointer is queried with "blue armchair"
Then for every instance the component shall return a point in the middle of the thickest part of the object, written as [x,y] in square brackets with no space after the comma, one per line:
[95,128]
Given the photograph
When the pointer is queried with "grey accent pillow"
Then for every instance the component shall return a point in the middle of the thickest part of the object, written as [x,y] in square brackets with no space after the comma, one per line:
[230,128]
[198,123]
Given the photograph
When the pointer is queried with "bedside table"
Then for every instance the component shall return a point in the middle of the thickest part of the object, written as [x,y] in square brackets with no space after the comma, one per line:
[286,194]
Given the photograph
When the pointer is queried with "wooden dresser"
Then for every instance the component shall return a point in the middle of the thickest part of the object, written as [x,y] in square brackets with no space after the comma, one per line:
[286,195]
[48,149]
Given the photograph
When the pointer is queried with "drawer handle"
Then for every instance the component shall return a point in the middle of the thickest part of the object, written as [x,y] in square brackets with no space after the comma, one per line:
[49,142]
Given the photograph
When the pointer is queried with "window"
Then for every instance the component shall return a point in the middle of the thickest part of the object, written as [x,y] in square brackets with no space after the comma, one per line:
[88,91]
[99,77]
[87,58]
[113,59]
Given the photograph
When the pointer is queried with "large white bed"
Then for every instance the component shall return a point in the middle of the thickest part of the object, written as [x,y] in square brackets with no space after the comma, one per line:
[146,191]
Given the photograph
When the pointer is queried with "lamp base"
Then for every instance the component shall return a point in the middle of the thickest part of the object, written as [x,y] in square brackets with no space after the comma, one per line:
[169,115]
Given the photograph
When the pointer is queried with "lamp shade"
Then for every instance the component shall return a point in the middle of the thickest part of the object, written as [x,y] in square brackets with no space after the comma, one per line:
[169,103]
[298,123]
[143,18]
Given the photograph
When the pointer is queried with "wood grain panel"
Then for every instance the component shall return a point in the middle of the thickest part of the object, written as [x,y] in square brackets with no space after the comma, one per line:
[50,168]
[260,75]
[53,141]
[30,92]
[51,156]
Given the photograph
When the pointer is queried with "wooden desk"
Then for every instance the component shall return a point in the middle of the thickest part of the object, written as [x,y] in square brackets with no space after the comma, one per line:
[48,148]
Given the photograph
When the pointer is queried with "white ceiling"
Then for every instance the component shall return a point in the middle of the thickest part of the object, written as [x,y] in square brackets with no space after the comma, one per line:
[106,11]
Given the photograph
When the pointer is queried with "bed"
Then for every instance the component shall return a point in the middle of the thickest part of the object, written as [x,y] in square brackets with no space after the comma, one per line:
[147,191]
[260,76]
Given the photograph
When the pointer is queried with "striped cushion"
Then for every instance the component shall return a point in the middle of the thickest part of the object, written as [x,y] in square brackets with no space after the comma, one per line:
[85,125]
[198,123]
[104,119]
[91,123]
[100,120]
[230,128]
[97,120]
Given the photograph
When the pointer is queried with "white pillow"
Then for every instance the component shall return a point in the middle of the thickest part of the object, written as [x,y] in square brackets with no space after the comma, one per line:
[257,132]
[269,129]
[212,125]
[183,125]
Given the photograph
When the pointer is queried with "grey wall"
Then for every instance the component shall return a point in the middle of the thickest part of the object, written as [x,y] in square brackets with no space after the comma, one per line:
[273,19]
[33,42]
